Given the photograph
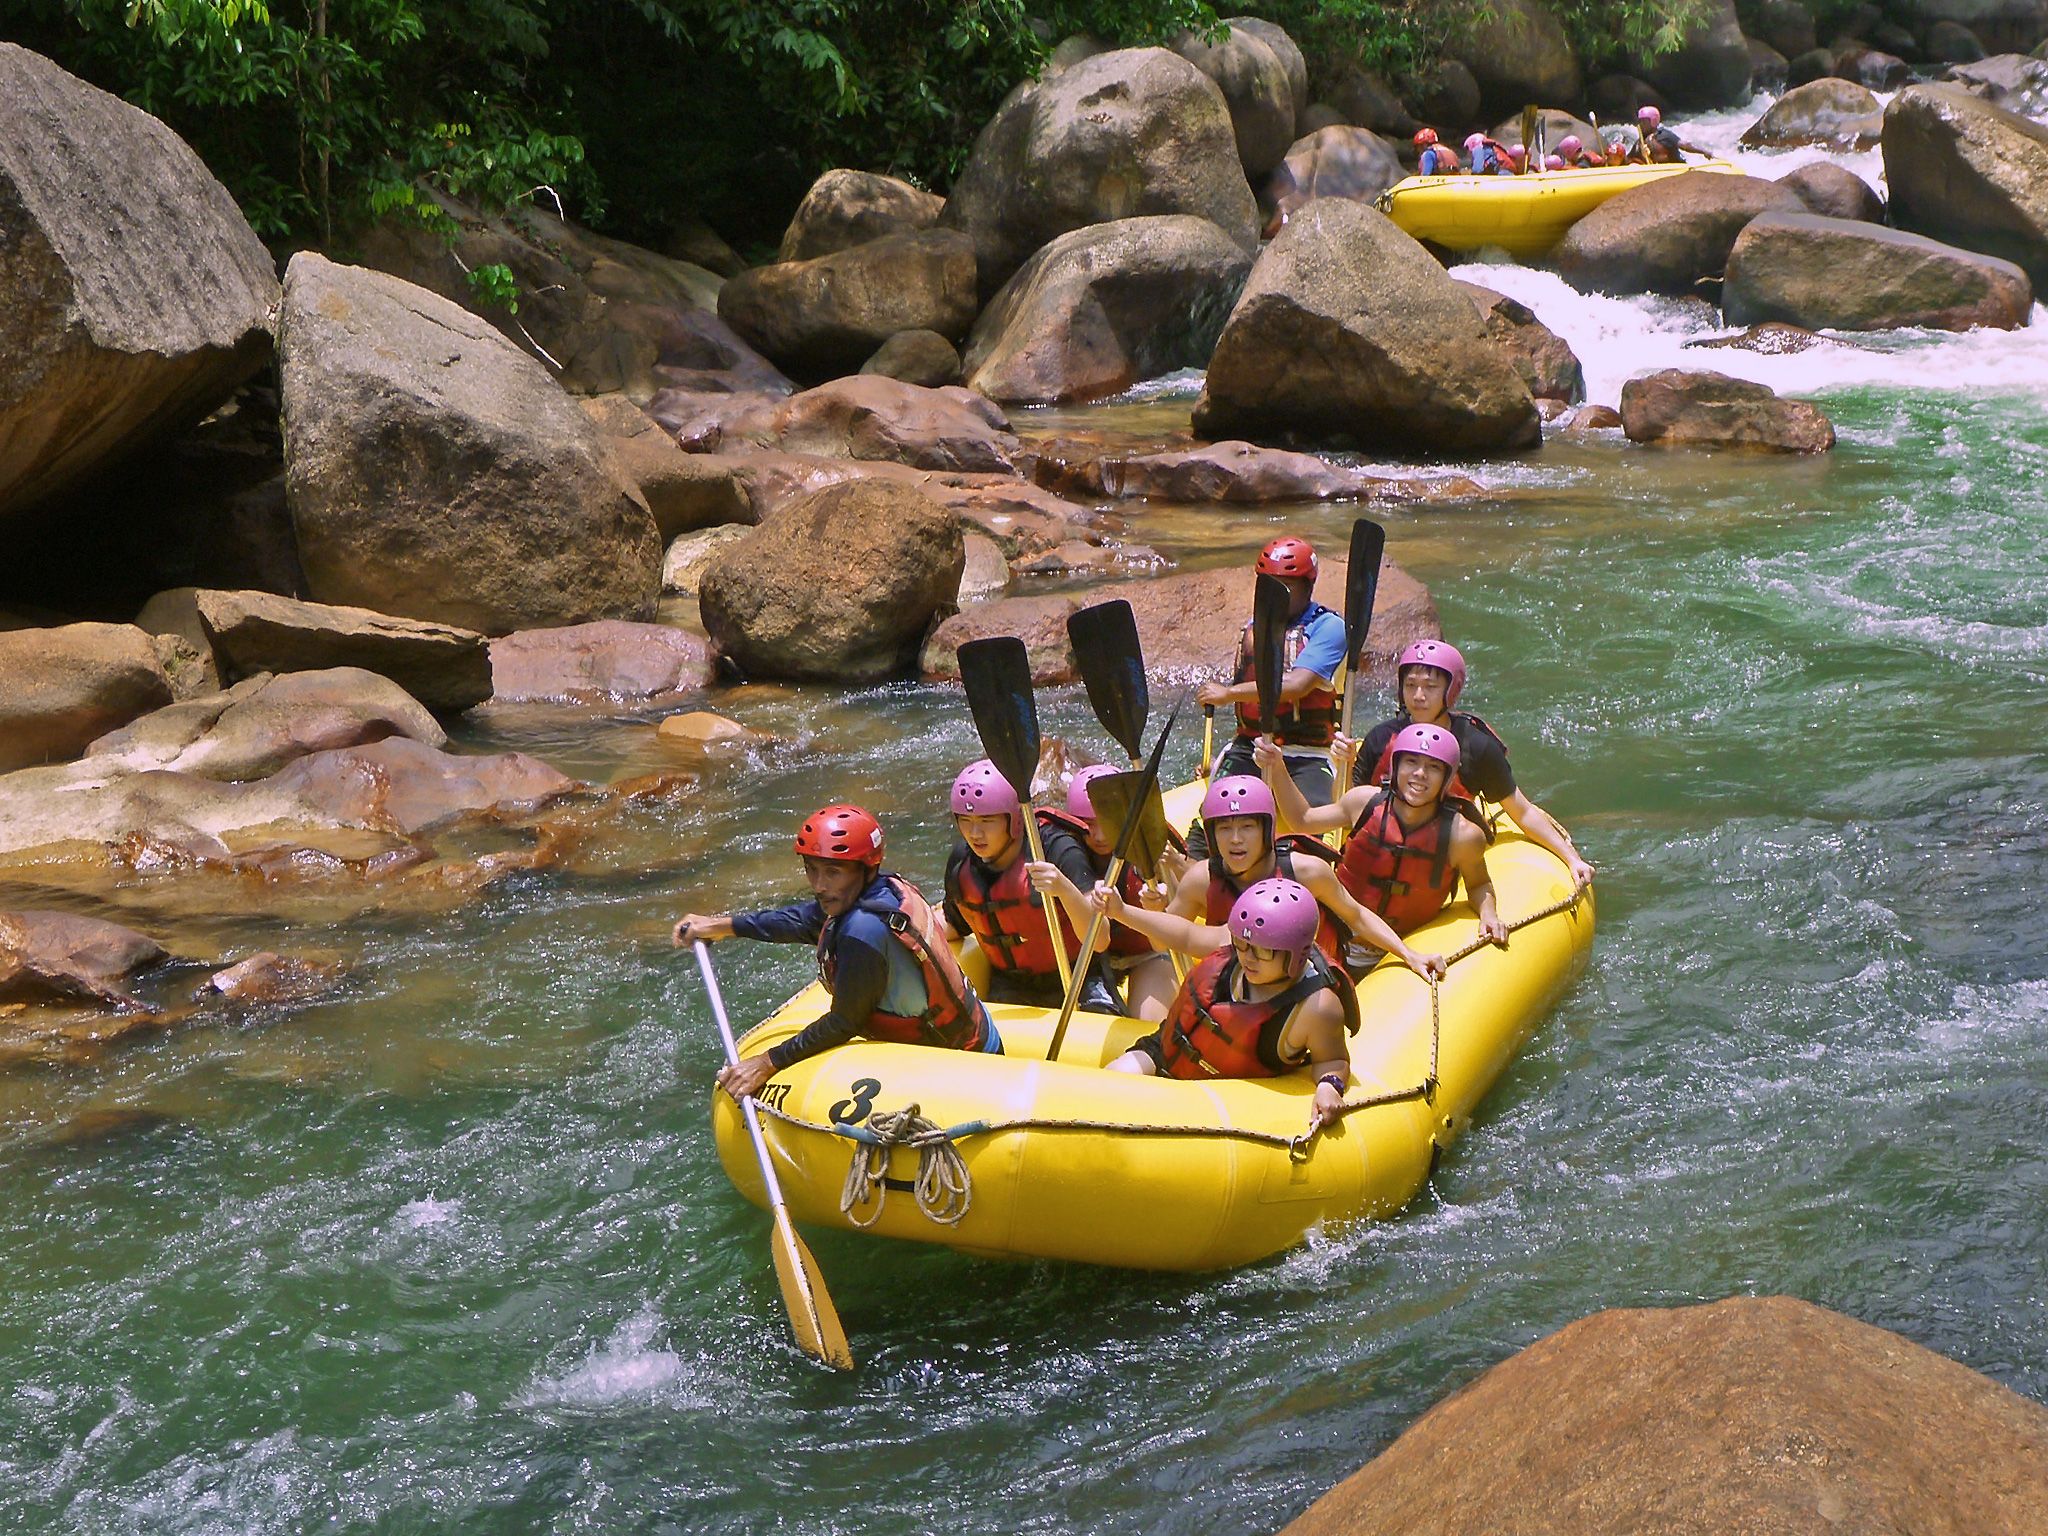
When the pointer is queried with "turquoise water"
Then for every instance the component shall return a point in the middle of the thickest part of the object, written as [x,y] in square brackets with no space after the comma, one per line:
[450,1251]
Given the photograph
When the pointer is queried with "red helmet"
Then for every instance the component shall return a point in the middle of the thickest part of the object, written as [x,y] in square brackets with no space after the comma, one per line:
[1441,655]
[1289,557]
[845,833]
[1427,741]
[1424,137]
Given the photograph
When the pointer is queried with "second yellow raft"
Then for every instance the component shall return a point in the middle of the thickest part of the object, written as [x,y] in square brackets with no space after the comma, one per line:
[1522,215]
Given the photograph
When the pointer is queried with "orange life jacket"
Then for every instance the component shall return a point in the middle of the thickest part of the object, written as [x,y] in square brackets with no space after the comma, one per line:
[1311,720]
[1008,917]
[1208,1034]
[1331,935]
[1406,877]
[952,1016]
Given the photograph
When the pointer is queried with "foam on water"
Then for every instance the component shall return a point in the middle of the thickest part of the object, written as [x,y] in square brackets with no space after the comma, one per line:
[628,1365]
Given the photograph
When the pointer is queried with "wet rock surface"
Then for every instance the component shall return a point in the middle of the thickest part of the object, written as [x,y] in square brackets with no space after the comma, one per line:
[608,660]
[1845,275]
[1837,114]
[50,956]
[1545,361]
[1666,235]
[1696,409]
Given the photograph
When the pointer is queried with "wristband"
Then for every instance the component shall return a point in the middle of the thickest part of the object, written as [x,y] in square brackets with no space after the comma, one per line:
[1334,1079]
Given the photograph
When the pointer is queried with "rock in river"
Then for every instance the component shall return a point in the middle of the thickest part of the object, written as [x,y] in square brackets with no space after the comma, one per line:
[134,297]
[1664,236]
[1845,275]
[436,472]
[1967,172]
[1837,114]
[445,668]
[1711,410]
[47,956]
[608,659]
[1349,333]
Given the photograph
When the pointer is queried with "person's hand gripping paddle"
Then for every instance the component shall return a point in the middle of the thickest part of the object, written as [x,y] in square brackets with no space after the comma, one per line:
[997,675]
[812,1317]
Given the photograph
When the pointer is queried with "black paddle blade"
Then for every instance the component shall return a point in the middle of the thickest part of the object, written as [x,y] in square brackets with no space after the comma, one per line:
[997,675]
[1362,584]
[1270,602]
[1113,796]
[1105,642]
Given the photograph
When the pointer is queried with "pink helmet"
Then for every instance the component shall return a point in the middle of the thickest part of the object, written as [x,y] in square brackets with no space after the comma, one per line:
[1569,146]
[1553,162]
[1239,795]
[1649,117]
[1278,914]
[1078,803]
[1518,153]
[1474,140]
[1427,741]
[1440,654]
[982,791]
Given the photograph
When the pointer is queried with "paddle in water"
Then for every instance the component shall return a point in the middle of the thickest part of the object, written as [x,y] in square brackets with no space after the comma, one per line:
[1134,807]
[812,1317]
[1104,639]
[997,676]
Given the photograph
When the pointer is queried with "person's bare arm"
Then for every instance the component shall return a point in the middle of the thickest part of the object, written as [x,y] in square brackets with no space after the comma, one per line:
[695,925]
[1319,1024]
[1164,929]
[1072,899]
[1363,922]
[1541,827]
[1295,683]
[1295,811]
[1468,857]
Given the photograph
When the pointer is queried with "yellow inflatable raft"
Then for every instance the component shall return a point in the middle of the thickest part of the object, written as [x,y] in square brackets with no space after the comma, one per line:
[1016,1157]
[1522,215]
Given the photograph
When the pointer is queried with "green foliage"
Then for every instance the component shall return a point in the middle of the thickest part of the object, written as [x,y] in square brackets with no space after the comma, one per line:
[494,286]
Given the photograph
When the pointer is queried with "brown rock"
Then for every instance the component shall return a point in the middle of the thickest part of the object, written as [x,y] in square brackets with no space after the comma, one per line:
[268,977]
[610,659]
[848,208]
[1837,114]
[1749,1415]
[1333,161]
[137,296]
[404,786]
[1545,361]
[1040,621]
[924,358]
[1845,275]
[1591,418]
[682,490]
[840,585]
[700,736]
[50,956]
[1518,52]
[683,566]
[445,668]
[1227,472]
[1257,87]
[704,355]
[60,688]
[1664,236]
[828,315]
[1835,192]
[870,417]
[1712,410]
[1964,171]
[1771,339]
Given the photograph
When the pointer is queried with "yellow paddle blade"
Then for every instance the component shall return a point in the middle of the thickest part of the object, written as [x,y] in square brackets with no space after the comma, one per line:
[812,1316]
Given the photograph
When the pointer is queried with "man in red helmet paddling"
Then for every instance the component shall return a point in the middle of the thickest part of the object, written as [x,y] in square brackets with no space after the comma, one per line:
[881,953]
[1411,842]
[1265,1004]
[1430,675]
[1313,654]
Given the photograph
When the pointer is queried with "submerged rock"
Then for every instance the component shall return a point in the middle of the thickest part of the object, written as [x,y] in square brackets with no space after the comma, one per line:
[1754,1414]
[268,977]
[1712,410]
[62,687]
[62,956]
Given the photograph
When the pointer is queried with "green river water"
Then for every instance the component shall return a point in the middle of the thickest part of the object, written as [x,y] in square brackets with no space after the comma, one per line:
[450,1251]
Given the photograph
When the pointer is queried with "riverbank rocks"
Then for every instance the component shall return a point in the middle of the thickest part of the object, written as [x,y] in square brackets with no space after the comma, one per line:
[1349,333]
[1100,308]
[1547,364]
[868,416]
[1747,1415]
[923,358]
[1122,134]
[1839,274]
[1678,408]
[682,566]
[1333,162]
[1518,53]
[847,208]
[445,668]
[1710,67]
[62,687]
[838,586]
[435,472]
[827,315]
[1237,472]
[136,295]
[1967,172]
[608,660]
[2016,81]
[1835,114]
[1835,192]
[65,956]
[682,492]
[1257,88]
[1666,235]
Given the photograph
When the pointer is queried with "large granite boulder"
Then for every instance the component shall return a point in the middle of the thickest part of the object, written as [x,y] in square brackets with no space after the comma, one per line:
[598,313]
[1835,192]
[1350,333]
[1665,235]
[1518,53]
[1131,132]
[1100,308]
[1967,172]
[923,358]
[1285,49]
[134,297]
[445,668]
[2016,81]
[826,316]
[1710,67]
[847,208]
[1258,87]
[1680,408]
[436,472]
[609,660]
[839,586]
[1365,100]
[1544,359]
[1845,275]
[1749,1415]
[62,687]
[1338,161]
[1786,25]
[1836,114]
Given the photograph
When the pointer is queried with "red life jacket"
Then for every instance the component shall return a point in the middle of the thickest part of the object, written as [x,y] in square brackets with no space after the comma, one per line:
[1130,884]
[951,1016]
[1008,917]
[1208,1034]
[1406,877]
[1383,770]
[1331,935]
[1311,720]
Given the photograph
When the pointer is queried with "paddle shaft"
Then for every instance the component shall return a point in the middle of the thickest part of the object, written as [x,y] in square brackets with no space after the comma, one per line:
[1059,1032]
[1054,923]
